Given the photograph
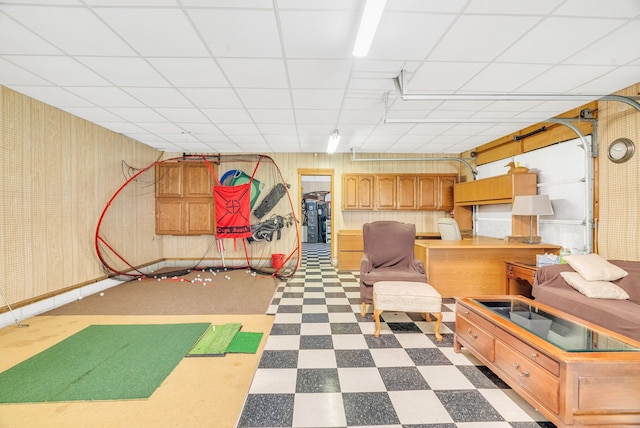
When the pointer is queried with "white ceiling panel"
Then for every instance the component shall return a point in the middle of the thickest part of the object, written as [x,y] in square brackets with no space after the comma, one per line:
[121,71]
[212,97]
[30,43]
[239,32]
[11,74]
[304,73]
[279,75]
[319,34]
[485,37]
[62,71]
[155,31]
[105,96]
[408,36]
[75,31]
[255,73]
[558,38]
[190,72]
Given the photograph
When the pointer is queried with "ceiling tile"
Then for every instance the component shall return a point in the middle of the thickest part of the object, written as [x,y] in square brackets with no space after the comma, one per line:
[76,31]
[122,71]
[137,115]
[557,38]
[255,73]
[30,43]
[317,98]
[613,48]
[265,98]
[228,115]
[481,38]
[212,97]
[304,73]
[11,74]
[239,32]
[565,77]
[499,77]
[238,129]
[277,129]
[106,96]
[442,76]
[185,115]
[155,31]
[92,114]
[599,9]
[51,94]
[190,72]
[318,33]
[63,71]
[160,97]
[276,116]
[408,36]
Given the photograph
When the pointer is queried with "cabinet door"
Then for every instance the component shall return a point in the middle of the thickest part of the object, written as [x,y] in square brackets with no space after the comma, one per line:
[385,195]
[427,194]
[357,192]
[445,193]
[197,180]
[407,192]
[199,217]
[350,192]
[365,192]
[169,220]
[169,180]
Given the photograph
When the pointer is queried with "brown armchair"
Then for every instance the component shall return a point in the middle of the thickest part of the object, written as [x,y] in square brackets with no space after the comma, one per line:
[388,256]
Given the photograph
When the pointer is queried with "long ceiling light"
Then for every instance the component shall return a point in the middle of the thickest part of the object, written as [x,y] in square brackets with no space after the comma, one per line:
[368,25]
[333,142]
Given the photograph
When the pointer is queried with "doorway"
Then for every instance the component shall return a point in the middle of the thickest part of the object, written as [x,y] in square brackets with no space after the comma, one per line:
[315,209]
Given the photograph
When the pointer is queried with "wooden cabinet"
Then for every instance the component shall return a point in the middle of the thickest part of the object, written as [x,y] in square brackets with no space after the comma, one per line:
[501,189]
[385,192]
[398,192]
[436,192]
[357,192]
[577,388]
[184,199]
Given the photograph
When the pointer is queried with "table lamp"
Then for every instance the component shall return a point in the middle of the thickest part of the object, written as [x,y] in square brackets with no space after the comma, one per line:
[531,205]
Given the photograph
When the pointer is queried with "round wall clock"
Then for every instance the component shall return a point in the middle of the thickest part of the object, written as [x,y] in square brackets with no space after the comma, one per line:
[621,150]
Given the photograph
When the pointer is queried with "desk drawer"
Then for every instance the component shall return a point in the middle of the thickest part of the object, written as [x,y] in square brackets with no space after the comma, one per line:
[476,337]
[537,382]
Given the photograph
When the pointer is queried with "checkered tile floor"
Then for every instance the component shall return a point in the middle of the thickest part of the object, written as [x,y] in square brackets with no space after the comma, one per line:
[322,367]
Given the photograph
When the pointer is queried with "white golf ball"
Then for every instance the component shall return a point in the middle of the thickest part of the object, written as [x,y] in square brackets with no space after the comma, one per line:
[80,298]
[101,294]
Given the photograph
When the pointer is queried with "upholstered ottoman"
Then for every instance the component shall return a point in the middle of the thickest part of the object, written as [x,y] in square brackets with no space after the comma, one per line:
[403,296]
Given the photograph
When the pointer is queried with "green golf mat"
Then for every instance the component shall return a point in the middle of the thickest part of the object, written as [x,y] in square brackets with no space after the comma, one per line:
[245,343]
[215,340]
[101,362]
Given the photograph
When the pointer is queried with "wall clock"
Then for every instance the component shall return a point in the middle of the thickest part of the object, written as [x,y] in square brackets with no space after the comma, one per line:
[621,150]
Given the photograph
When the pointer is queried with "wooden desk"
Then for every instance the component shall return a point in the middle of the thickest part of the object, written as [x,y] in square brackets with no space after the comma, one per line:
[351,247]
[474,266]
[520,277]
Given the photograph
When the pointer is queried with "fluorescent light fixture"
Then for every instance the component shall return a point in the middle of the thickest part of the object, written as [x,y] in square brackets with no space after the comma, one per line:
[368,25]
[333,142]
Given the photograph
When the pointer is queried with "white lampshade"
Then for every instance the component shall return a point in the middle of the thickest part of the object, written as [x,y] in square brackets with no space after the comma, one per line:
[532,205]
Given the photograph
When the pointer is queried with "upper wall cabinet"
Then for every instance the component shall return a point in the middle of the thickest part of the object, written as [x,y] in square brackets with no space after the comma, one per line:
[357,191]
[184,199]
[398,192]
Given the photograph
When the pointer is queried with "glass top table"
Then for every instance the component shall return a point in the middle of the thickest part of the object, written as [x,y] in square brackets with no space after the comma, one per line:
[562,332]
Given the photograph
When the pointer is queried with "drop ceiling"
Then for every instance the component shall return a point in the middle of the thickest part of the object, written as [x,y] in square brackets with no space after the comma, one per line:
[266,76]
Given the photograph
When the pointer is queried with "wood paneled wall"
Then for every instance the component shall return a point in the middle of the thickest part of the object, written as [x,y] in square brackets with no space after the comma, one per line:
[58,172]
[619,207]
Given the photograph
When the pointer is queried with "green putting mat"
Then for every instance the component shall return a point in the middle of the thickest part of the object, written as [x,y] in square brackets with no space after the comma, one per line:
[215,340]
[245,343]
[101,362]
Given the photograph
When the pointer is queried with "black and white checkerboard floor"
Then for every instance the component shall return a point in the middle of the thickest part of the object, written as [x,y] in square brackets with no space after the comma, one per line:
[322,367]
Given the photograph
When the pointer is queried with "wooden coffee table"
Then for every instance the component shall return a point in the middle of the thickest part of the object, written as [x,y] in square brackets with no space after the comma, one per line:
[574,372]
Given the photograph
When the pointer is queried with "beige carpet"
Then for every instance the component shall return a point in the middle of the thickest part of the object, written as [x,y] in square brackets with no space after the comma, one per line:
[226,292]
[200,392]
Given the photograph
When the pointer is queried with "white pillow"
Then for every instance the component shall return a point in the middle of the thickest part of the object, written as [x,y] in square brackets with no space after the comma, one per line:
[594,289]
[593,267]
